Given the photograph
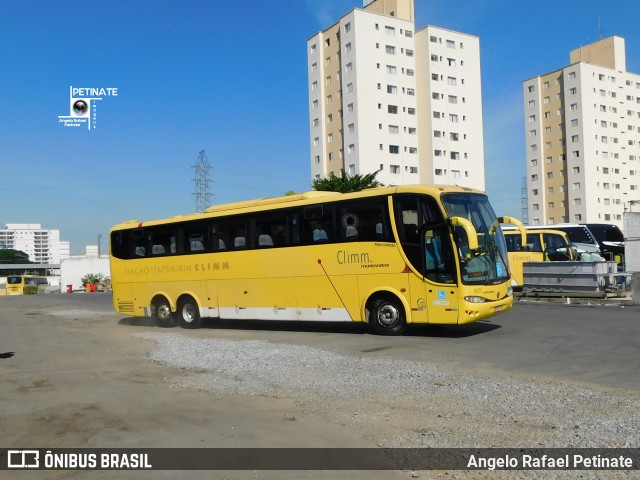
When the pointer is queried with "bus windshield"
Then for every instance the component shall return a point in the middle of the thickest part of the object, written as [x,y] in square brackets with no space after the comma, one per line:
[14,280]
[488,264]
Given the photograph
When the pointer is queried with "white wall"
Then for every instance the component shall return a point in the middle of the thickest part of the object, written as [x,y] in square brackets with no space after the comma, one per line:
[73,269]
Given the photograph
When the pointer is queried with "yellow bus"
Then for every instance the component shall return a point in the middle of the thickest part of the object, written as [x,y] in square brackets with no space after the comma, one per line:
[389,256]
[24,284]
[542,245]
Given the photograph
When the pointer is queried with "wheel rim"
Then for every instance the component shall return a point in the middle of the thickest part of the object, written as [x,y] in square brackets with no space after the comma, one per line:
[163,312]
[388,315]
[188,313]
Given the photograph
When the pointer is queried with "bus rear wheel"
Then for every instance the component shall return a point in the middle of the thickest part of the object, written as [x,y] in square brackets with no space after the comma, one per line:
[188,313]
[387,316]
[161,312]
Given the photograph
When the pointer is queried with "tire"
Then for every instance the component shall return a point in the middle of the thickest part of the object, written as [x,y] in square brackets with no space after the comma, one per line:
[189,313]
[161,313]
[387,316]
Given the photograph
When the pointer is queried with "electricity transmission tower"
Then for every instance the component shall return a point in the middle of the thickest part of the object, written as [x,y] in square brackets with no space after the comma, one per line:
[524,203]
[202,182]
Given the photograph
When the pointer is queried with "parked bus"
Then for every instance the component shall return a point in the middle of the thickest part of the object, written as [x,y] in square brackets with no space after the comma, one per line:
[388,256]
[610,240]
[24,284]
[541,246]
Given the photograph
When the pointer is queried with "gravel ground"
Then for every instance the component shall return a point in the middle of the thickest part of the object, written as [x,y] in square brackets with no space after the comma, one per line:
[411,404]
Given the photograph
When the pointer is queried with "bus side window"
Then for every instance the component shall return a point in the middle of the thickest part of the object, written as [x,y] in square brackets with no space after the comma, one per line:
[364,220]
[195,237]
[318,224]
[270,230]
[163,241]
[232,233]
[138,241]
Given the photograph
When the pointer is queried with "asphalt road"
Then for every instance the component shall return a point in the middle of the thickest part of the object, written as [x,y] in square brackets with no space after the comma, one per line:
[73,374]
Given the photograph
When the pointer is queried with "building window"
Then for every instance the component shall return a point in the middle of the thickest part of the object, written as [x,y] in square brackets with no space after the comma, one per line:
[391,69]
[394,168]
[395,149]
[390,49]
[392,109]
[452,81]
[394,129]
[451,44]
[347,27]
[392,89]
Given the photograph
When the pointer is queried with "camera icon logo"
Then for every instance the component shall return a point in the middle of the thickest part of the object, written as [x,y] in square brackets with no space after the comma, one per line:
[80,108]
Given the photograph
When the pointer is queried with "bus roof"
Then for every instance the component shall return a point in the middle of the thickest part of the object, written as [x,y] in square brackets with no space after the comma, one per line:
[536,230]
[307,198]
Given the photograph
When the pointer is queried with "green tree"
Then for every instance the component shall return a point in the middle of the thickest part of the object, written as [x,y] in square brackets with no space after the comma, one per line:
[93,278]
[346,183]
[8,255]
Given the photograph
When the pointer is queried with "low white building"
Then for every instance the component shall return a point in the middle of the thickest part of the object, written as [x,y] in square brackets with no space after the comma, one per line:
[72,270]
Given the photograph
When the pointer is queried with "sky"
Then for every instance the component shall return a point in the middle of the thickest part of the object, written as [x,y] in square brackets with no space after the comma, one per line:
[229,78]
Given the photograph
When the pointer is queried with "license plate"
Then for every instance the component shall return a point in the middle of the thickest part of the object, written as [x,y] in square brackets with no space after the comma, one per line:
[498,308]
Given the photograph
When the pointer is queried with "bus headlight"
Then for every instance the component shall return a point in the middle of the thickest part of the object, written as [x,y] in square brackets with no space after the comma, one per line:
[475,299]
[509,291]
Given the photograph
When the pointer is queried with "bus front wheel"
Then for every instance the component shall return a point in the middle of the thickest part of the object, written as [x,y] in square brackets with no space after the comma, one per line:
[188,313]
[161,312]
[387,316]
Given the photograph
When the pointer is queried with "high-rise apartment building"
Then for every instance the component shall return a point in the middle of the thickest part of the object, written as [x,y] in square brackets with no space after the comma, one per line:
[582,128]
[385,97]
[42,245]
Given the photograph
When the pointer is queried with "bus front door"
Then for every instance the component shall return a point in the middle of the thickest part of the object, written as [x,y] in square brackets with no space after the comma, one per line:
[440,276]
